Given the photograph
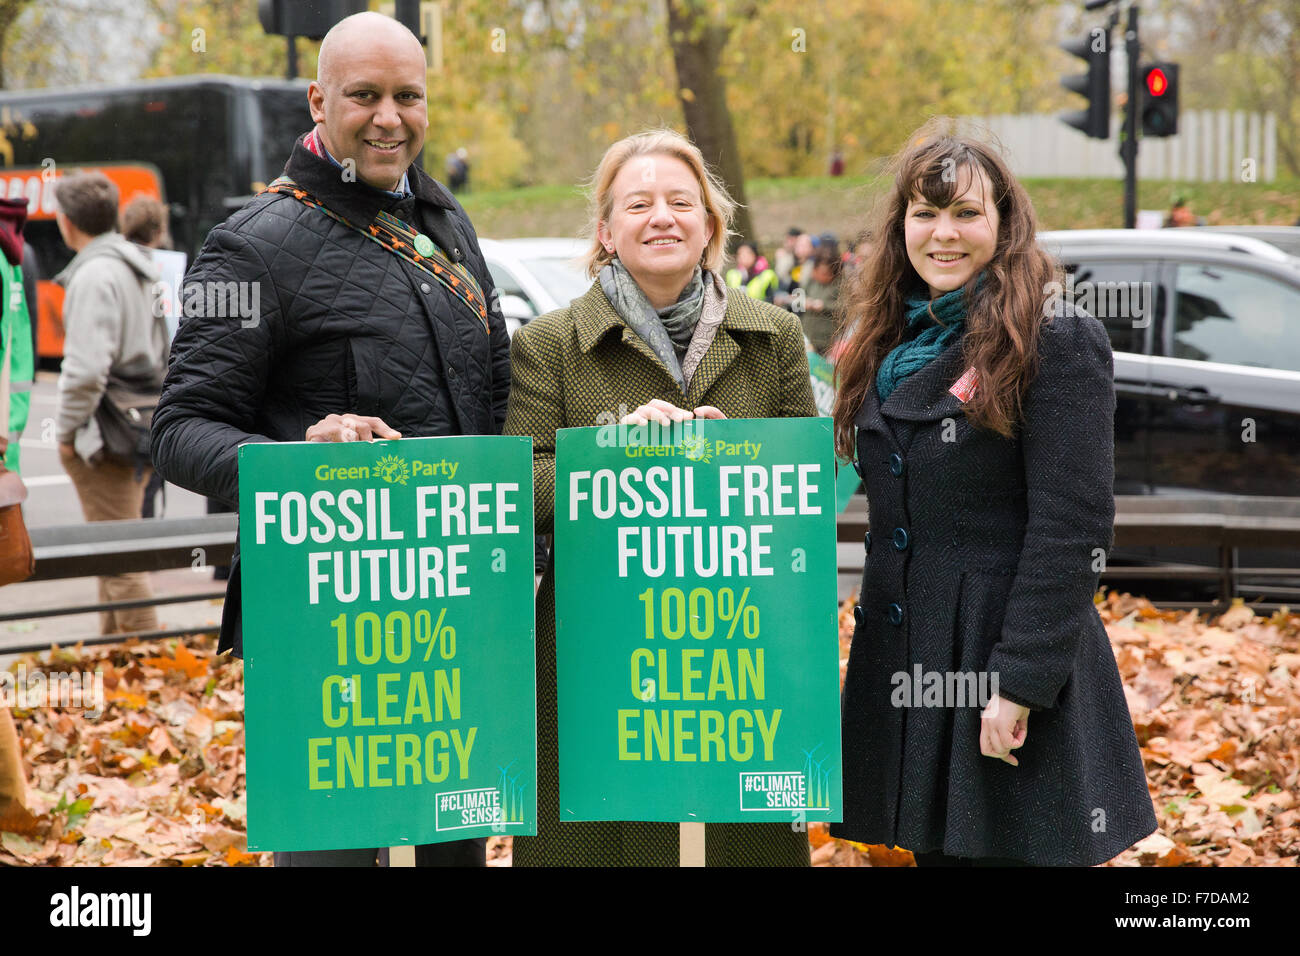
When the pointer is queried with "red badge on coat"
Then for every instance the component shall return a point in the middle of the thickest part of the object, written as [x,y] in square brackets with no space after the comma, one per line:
[965,386]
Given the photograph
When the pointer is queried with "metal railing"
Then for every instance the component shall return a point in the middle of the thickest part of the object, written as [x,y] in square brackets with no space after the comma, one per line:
[1223,524]
[121,547]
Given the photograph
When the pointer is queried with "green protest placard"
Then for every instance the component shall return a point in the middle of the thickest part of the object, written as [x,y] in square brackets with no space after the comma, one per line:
[388,641]
[696,644]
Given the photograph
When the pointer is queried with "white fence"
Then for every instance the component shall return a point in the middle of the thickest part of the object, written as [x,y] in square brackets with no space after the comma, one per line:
[1211,145]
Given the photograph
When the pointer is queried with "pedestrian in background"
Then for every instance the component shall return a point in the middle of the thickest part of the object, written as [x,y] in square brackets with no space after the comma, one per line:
[804,247]
[821,298]
[981,417]
[16,368]
[115,338]
[783,260]
[144,221]
[15,326]
[32,272]
[458,170]
[1180,215]
[860,251]
[752,273]
[701,351]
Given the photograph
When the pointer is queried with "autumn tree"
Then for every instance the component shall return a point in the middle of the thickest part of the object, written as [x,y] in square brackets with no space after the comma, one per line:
[697,34]
[1239,56]
[857,76]
[217,36]
[9,11]
[63,42]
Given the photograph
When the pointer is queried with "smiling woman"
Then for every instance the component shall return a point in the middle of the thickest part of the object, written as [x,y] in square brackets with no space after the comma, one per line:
[949,246]
[657,225]
[982,424]
[660,330]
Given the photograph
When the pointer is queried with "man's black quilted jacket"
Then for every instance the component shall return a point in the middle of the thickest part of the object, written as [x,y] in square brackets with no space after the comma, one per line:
[344,325]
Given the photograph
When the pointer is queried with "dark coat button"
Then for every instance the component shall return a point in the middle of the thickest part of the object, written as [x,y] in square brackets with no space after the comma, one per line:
[857,466]
[857,614]
[895,614]
[896,464]
[866,541]
[900,539]
[425,287]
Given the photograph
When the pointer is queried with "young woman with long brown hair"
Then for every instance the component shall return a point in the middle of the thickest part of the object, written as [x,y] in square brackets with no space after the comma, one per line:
[979,408]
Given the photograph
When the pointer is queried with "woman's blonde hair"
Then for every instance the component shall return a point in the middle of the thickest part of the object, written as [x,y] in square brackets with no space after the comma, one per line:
[719,207]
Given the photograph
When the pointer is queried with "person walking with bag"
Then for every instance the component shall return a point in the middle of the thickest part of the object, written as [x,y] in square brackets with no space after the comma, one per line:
[114,359]
[984,721]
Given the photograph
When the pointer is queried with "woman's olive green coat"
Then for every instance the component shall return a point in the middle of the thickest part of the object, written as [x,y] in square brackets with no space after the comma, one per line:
[576,367]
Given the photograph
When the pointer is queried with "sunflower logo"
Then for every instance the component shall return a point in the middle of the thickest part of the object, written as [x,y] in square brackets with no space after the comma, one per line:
[392,469]
[696,448]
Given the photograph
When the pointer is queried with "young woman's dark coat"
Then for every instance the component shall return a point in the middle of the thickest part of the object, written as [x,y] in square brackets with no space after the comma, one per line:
[983,558]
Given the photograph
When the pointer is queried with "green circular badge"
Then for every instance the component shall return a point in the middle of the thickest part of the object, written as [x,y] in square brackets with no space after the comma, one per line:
[424,245]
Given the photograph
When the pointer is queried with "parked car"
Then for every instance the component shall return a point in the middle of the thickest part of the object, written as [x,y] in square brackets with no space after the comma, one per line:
[1205,329]
[535,276]
[1286,238]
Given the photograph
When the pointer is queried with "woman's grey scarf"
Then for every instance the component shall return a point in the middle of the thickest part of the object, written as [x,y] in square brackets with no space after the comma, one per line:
[667,331]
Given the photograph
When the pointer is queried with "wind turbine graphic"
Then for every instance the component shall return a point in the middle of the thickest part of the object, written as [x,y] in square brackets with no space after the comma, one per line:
[821,794]
[501,786]
[808,758]
[808,763]
[512,806]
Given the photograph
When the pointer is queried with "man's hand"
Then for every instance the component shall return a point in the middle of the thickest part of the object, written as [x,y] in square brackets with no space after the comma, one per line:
[665,413]
[350,428]
[1004,727]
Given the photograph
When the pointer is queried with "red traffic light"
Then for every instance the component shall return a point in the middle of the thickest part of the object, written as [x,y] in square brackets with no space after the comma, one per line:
[1157,82]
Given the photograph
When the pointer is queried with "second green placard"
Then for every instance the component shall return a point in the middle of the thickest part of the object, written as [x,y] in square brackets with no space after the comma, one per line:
[696,651]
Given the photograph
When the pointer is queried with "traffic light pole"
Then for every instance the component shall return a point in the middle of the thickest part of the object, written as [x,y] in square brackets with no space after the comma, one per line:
[1128,147]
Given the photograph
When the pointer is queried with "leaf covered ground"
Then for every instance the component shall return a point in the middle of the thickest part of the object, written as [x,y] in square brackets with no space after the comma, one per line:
[1216,707]
[158,778]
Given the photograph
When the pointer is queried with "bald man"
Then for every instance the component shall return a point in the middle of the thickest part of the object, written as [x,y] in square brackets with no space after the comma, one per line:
[360,309]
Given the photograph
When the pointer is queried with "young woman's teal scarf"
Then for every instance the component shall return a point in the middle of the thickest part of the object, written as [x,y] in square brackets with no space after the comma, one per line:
[913,354]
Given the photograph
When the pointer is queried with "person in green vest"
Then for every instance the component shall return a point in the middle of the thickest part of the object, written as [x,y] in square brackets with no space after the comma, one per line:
[753,274]
[16,355]
[15,326]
